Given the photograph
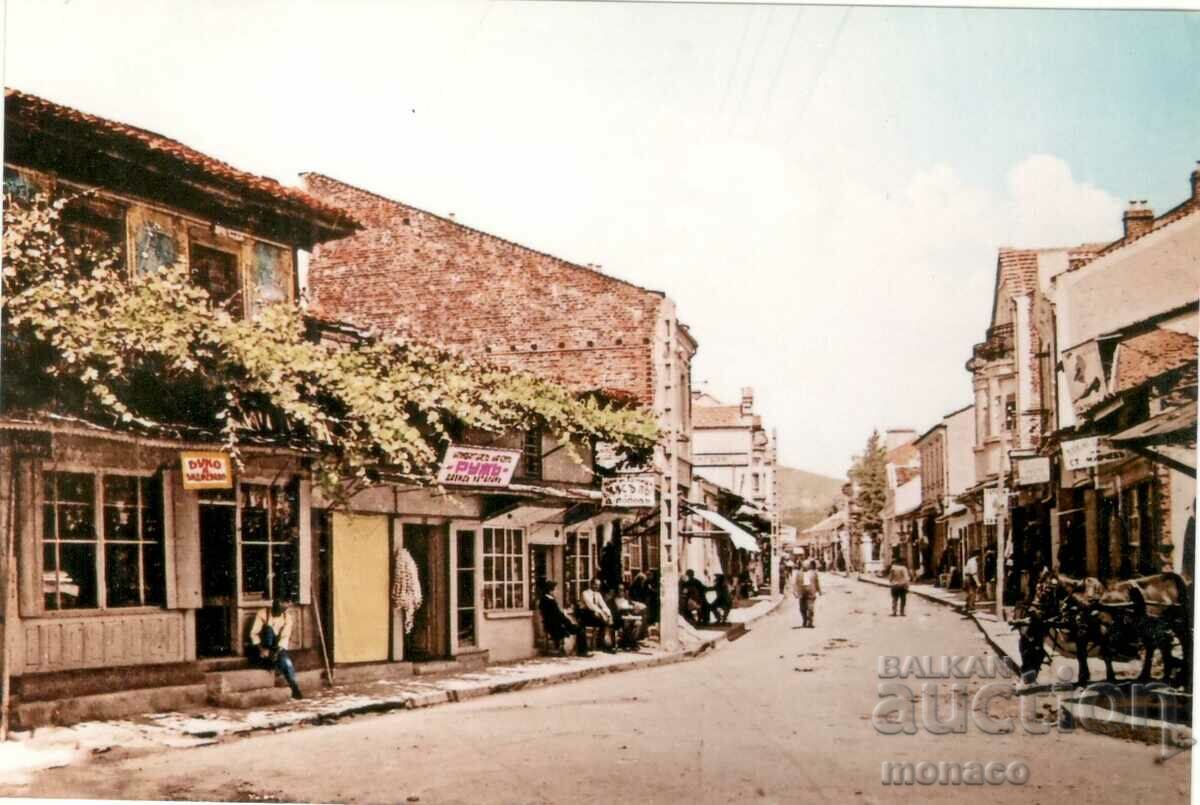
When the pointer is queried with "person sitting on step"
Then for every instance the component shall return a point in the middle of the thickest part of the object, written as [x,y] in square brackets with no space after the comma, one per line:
[558,624]
[270,639]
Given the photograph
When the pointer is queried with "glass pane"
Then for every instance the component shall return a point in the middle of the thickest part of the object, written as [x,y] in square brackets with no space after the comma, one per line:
[121,575]
[152,509]
[487,540]
[489,601]
[254,569]
[508,596]
[286,569]
[154,575]
[120,489]
[76,487]
[466,627]
[49,521]
[519,597]
[489,569]
[48,491]
[120,523]
[50,575]
[285,517]
[254,525]
[76,521]
[466,549]
[466,588]
[77,576]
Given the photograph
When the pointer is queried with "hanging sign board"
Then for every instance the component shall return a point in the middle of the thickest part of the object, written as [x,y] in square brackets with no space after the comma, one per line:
[206,470]
[1032,470]
[608,458]
[1085,376]
[995,505]
[478,466]
[1081,454]
[629,491]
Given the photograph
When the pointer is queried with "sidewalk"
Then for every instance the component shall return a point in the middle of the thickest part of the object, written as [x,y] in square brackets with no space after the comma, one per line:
[52,747]
[1005,640]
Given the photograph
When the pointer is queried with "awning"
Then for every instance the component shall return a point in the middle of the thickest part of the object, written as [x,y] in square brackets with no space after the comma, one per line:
[1159,428]
[524,516]
[741,538]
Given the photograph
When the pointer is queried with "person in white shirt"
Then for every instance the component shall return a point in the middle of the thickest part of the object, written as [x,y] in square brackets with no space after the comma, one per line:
[971,582]
[270,639]
[808,587]
[593,611]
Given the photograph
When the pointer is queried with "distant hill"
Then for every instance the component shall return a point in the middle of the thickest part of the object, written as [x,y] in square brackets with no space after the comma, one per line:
[805,498]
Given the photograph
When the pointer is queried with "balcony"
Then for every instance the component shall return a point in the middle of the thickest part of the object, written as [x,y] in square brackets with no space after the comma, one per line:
[998,346]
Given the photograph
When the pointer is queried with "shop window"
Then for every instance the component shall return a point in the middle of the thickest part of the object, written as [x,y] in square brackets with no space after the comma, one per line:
[1010,413]
[531,453]
[133,541]
[269,536]
[503,568]
[466,588]
[216,271]
[69,541]
[105,527]
[577,558]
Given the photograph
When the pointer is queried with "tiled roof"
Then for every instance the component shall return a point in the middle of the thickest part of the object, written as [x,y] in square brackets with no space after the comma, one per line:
[40,112]
[717,416]
[1151,354]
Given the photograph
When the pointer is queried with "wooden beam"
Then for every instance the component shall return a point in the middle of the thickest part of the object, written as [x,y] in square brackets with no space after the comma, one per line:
[1160,458]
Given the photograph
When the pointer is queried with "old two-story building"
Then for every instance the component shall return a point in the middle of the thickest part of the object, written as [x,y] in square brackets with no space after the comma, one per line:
[124,579]
[900,540]
[947,470]
[416,274]
[732,448]
[1124,385]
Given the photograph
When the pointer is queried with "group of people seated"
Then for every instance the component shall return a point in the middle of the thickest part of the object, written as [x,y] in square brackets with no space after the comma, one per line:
[693,599]
[618,620]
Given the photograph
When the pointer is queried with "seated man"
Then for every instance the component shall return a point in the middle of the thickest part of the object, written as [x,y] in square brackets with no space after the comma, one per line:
[724,598]
[270,639]
[632,615]
[692,588]
[559,624]
[593,611]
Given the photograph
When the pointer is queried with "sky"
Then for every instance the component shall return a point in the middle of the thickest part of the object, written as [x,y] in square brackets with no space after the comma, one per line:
[820,189]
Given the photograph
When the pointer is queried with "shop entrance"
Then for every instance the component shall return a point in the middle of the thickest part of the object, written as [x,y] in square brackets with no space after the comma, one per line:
[215,636]
[430,637]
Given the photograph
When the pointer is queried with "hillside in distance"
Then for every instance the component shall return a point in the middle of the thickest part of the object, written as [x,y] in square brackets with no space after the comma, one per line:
[805,498]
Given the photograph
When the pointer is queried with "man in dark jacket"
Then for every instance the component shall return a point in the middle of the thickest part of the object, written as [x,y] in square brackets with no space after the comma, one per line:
[558,624]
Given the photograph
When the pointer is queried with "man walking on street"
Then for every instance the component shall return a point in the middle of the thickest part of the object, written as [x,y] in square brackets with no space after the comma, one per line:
[898,577]
[971,582]
[808,587]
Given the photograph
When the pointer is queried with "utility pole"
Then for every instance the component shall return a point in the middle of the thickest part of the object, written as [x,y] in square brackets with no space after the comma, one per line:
[1001,532]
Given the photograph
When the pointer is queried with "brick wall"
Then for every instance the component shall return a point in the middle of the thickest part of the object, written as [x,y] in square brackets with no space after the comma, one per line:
[419,274]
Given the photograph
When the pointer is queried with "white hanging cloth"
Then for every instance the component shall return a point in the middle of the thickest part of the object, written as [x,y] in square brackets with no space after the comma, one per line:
[406,587]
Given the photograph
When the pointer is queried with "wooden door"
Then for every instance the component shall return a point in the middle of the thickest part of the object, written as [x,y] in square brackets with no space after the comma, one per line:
[430,637]
[361,581]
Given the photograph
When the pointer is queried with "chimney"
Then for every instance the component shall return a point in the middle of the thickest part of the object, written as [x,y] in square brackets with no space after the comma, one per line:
[747,401]
[1196,184]
[1137,219]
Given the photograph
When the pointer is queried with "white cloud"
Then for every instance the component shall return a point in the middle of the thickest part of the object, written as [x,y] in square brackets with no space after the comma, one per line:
[1046,206]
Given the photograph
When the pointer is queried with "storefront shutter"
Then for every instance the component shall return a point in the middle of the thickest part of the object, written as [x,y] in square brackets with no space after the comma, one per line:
[184,542]
[306,548]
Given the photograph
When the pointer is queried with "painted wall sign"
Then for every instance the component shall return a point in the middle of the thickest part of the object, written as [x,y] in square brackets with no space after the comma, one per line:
[465,465]
[1032,470]
[1081,454]
[630,491]
[1085,376]
[206,470]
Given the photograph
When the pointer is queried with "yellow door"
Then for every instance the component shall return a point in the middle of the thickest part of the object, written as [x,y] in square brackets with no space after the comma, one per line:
[361,588]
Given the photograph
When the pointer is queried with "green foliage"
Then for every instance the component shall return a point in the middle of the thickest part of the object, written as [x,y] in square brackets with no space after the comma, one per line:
[155,353]
[869,477]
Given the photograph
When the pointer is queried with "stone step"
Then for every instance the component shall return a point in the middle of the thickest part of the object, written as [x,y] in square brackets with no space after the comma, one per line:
[371,672]
[236,681]
[212,664]
[107,706]
[249,699]
[436,667]
[307,680]
[473,659]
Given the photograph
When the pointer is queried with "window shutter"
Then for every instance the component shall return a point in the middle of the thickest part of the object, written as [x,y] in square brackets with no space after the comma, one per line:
[29,554]
[306,549]
[184,541]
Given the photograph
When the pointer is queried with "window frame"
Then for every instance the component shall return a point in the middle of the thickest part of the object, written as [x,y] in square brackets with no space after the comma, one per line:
[532,465]
[236,304]
[280,484]
[515,577]
[98,474]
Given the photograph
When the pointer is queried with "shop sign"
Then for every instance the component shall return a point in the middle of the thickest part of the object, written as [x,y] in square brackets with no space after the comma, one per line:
[629,491]
[995,505]
[1081,454]
[206,470]
[465,465]
[1031,471]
